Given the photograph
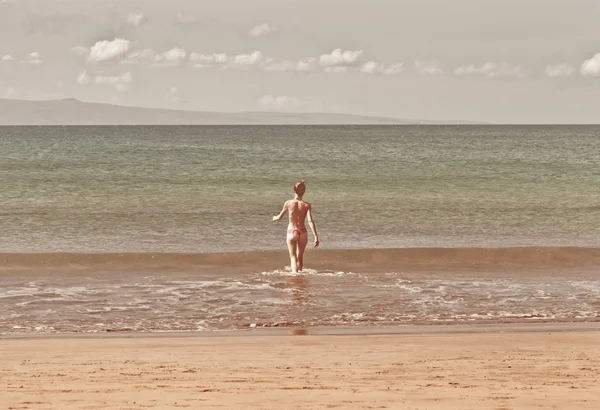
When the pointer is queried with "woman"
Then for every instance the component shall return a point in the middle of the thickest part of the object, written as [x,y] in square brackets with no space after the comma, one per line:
[297,237]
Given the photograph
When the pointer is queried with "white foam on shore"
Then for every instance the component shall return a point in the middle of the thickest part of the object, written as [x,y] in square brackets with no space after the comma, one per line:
[287,271]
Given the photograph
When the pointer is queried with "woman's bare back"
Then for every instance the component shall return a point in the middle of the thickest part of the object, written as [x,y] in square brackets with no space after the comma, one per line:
[297,213]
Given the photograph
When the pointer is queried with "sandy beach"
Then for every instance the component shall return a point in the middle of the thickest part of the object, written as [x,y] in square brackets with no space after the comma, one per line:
[478,370]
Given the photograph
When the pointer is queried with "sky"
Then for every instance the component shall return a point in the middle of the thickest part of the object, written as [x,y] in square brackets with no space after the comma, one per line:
[500,61]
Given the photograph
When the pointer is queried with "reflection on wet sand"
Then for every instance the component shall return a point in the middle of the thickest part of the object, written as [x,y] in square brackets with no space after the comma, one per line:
[300,297]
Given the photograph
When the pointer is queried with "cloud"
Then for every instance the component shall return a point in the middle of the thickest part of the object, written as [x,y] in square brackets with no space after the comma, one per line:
[428,67]
[279,102]
[371,67]
[136,18]
[121,83]
[8,58]
[591,67]
[492,70]
[203,60]
[253,59]
[171,57]
[248,59]
[338,57]
[108,50]
[304,65]
[135,56]
[261,29]
[285,65]
[559,70]
[34,58]
[83,78]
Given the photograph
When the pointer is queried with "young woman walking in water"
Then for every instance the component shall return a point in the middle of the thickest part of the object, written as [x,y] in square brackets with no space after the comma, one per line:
[297,237]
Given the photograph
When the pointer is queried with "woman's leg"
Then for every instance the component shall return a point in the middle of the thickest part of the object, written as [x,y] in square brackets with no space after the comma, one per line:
[302,241]
[292,244]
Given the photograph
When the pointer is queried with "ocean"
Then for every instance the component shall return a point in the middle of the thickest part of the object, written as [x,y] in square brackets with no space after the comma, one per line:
[168,228]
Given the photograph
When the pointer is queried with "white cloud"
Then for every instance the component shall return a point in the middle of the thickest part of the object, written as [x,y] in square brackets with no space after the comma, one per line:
[175,54]
[8,58]
[428,67]
[285,65]
[249,59]
[393,69]
[171,57]
[261,29]
[123,78]
[304,65]
[255,58]
[592,66]
[206,59]
[371,67]
[492,70]
[559,70]
[339,57]
[108,50]
[83,78]
[279,102]
[121,83]
[135,18]
[34,58]
[135,56]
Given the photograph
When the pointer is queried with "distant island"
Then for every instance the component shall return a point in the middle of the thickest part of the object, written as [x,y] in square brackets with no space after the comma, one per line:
[71,111]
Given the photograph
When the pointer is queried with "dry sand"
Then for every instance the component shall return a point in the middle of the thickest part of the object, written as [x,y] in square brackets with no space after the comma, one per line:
[429,371]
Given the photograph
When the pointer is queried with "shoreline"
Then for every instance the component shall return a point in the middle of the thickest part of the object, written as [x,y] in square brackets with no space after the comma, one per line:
[400,330]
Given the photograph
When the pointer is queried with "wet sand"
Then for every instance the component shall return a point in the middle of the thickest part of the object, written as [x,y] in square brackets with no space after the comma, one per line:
[498,370]
[452,260]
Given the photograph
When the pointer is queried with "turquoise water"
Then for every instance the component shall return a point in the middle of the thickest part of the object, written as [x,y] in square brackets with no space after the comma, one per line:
[204,189]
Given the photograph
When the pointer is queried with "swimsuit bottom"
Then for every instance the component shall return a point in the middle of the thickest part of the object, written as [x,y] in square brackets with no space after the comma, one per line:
[297,231]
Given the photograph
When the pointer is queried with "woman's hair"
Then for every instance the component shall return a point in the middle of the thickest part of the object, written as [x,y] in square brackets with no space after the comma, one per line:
[299,186]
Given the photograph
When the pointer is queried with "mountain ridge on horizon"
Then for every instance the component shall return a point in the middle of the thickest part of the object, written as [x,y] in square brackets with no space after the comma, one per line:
[72,111]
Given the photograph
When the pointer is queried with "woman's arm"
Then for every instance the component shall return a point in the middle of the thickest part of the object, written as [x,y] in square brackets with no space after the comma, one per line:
[283,211]
[312,225]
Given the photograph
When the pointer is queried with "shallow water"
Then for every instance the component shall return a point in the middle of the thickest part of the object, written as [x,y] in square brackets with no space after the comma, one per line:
[185,301]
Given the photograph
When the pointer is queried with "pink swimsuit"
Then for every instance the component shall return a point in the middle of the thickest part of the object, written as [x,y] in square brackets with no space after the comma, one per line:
[296,231]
